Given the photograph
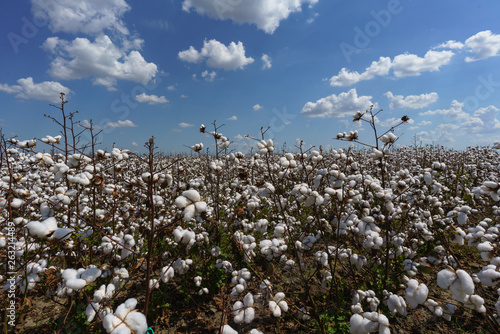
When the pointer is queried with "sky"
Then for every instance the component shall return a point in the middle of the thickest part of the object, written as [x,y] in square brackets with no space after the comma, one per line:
[301,68]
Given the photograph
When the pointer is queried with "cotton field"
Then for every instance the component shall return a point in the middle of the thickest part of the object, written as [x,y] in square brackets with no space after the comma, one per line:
[312,240]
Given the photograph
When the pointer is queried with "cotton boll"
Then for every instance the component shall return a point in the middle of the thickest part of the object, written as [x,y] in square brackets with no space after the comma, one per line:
[76,283]
[91,274]
[445,278]
[69,273]
[37,229]
[466,281]
[182,202]
[226,329]
[137,322]
[192,195]
[62,233]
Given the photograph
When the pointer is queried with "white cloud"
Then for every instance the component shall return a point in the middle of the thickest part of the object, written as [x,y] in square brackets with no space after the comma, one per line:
[377,68]
[101,60]
[190,55]
[410,65]
[454,112]
[411,101]
[484,44]
[134,144]
[151,99]
[265,14]
[89,17]
[402,65]
[176,130]
[257,107]
[184,96]
[232,118]
[311,19]
[209,76]
[28,89]
[218,55]
[171,87]
[185,125]
[344,104]
[424,123]
[454,45]
[120,124]
[266,61]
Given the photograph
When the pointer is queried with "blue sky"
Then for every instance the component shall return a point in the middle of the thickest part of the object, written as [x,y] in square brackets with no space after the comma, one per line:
[302,67]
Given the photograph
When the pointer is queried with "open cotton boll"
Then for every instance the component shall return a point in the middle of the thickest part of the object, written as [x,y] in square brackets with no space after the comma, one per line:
[192,195]
[91,274]
[69,273]
[37,229]
[75,283]
[62,233]
[489,276]
[445,278]
[226,329]
[466,282]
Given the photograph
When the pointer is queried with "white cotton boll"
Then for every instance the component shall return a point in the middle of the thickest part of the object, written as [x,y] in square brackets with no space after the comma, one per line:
[485,246]
[239,312]
[226,329]
[167,273]
[76,283]
[356,323]
[200,206]
[457,292]
[90,312]
[69,273]
[16,203]
[192,195]
[489,276]
[37,229]
[462,218]
[445,278]
[62,233]
[273,307]
[137,322]
[182,202]
[91,274]
[478,303]
[249,315]
[466,281]
[189,212]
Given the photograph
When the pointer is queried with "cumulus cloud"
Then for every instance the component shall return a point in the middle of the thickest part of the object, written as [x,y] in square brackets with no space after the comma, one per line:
[89,17]
[232,118]
[209,76]
[402,65]
[257,107]
[121,124]
[455,111]
[266,61]
[411,101]
[265,14]
[185,125]
[151,99]
[28,89]
[344,104]
[410,65]
[484,45]
[101,60]
[217,55]
[454,45]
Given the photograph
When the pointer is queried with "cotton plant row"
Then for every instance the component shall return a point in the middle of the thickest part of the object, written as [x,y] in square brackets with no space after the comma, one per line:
[315,212]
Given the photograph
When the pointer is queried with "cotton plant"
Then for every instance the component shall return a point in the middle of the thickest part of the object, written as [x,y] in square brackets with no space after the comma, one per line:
[278,304]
